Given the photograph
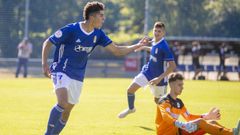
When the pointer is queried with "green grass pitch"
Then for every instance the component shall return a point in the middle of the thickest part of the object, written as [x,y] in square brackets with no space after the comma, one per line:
[26,103]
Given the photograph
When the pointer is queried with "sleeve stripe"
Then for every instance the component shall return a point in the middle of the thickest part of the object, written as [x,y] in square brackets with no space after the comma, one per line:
[53,41]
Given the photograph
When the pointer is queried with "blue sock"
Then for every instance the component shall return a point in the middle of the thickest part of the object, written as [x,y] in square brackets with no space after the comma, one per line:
[131,99]
[58,127]
[53,118]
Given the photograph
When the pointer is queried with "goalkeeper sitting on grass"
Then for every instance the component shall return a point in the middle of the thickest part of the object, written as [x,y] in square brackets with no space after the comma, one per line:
[170,108]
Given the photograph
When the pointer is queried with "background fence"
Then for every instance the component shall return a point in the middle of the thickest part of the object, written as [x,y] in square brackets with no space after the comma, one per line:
[130,68]
[208,21]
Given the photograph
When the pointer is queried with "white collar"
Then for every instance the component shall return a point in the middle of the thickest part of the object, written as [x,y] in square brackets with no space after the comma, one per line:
[155,43]
[87,33]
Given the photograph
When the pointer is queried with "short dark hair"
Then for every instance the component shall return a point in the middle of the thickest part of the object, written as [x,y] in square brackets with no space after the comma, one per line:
[159,25]
[92,7]
[174,77]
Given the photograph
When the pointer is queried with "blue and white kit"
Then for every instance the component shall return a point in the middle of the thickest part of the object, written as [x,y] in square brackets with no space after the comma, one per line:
[73,47]
[160,55]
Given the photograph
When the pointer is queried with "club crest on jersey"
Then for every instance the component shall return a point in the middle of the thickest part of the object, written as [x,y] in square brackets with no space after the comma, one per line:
[79,48]
[58,34]
[178,105]
[95,39]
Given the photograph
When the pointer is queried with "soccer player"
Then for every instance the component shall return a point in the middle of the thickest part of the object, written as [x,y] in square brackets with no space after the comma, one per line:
[155,72]
[74,43]
[170,108]
[196,51]
[24,52]
[222,65]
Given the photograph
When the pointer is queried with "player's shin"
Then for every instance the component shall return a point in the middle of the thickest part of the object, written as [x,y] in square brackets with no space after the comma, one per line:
[213,128]
[131,99]
[55,115]
[58,127]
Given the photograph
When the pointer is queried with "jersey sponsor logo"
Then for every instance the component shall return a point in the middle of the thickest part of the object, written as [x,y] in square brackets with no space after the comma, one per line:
[58,34]
[79,48]
[78,41]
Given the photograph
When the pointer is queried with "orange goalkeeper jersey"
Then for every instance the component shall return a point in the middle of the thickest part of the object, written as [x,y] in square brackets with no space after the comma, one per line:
[168,111]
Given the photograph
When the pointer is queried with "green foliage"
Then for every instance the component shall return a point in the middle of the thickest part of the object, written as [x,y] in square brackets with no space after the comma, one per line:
[123,17]
[122,37]
[113,15]
[9,26]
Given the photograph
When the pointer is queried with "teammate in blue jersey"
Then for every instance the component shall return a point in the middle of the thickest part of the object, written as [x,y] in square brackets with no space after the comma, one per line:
[155,72]
[74,43]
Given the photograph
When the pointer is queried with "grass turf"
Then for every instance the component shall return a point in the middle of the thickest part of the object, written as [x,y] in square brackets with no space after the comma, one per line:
[26,103]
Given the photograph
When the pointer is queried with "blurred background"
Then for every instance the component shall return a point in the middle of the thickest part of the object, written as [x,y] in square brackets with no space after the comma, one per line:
[213,24]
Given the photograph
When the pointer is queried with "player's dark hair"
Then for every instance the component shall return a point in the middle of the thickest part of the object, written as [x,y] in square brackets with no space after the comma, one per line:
[91,8]
[174,77]
[159,25]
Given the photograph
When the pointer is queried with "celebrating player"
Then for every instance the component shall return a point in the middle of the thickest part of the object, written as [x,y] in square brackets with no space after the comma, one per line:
[155,72]
[170,108]
[74,43]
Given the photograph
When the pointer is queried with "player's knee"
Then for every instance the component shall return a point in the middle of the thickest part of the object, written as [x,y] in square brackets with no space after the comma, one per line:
[63,103]
[133,88]
[212,122]
[130,90]
[69,108]
[66,112]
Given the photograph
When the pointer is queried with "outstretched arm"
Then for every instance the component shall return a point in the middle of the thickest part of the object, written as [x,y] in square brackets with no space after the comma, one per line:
[124,50]
[213,114]
[45,51]
[146,48]
[121,50]
[188,116]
